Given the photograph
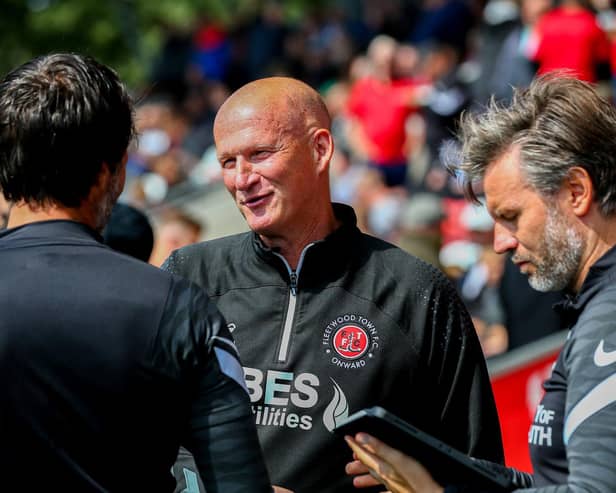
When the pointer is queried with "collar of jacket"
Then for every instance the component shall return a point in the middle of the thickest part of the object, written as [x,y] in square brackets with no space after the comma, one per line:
[331,254]
[602,272]
[54,229]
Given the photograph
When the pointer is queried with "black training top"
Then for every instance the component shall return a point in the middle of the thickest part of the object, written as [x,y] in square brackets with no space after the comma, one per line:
[573,437]
[358,323]
[107,365]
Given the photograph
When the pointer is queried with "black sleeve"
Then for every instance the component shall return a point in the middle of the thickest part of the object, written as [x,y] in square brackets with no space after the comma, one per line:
[468,415]
[222,436]
[220,430]
[589,433]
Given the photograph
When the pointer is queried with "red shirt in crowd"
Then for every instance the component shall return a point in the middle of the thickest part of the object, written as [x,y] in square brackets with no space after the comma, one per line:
[382,108]
[570,38]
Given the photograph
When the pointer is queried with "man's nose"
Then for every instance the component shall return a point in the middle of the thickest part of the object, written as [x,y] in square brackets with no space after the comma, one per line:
[245,176]
[503,239]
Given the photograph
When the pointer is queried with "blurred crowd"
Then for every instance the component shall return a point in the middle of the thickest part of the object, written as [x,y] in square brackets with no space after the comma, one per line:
[395,76]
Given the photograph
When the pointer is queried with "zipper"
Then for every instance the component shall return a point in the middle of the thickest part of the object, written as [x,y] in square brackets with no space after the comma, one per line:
[283,352]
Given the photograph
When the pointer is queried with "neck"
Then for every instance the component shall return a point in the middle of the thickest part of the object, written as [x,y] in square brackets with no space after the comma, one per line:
[601,238]
[23,213]
[291,246]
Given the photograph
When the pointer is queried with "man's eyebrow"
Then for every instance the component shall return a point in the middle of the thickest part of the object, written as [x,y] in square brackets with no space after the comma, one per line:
[505,210]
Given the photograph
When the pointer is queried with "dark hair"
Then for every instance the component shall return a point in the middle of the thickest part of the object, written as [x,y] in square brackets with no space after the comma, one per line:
[558,122]
[61,117]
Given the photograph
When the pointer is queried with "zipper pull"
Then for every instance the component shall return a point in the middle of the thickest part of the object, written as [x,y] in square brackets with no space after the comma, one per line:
[293,283]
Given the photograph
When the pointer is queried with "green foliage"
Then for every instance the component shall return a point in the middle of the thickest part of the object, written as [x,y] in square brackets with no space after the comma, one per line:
[101,29]
[125,34]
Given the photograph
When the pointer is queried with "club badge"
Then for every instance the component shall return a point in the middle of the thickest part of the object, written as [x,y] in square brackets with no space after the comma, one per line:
[350,340]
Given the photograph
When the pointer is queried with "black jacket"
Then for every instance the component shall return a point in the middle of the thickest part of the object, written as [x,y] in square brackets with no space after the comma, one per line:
[573,438]
[359,323]
[107,364]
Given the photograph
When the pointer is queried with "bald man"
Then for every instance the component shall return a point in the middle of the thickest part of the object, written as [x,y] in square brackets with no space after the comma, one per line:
[328,320]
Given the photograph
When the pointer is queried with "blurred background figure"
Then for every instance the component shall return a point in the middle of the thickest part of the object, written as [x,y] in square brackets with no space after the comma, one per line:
[379,105]
[479,289]
[529,314]
[569,36]
[498,19]
[174,230]
[377,205]
[506,41]
[419,228]
[129,231]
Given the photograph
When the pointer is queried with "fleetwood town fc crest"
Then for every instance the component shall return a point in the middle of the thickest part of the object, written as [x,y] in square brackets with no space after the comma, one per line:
[350,340]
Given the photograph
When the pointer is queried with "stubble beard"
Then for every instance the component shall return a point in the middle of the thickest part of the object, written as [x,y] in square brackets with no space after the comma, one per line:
[559,257]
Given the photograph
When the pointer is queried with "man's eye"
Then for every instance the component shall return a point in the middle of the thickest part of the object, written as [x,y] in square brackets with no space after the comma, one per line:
[227,163]
[261,155]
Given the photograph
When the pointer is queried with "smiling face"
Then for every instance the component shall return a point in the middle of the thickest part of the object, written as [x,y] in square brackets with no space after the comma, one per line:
[272,159]
[543,238]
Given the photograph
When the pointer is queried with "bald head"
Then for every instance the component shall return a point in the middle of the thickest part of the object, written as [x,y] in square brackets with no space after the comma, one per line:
[274,146]
[287,102]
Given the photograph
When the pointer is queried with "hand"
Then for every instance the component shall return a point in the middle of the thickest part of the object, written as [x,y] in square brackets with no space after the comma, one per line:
[399,472]
[363,476]
[280,489]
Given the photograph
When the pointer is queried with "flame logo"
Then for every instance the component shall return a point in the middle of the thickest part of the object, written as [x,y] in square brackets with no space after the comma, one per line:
[337,410]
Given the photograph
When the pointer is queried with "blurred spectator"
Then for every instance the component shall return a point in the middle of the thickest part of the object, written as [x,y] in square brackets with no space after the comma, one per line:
[377,206]
[466,229]
[200,105]
[499,19]
[569,37]
[380,106]
[168,71]
[175,230]
[129,231]
[479,289]
[513,68]
[528,313]
[479,283]
[457,257]
[345,177]
[606,16]
[444,22]
[478,224]
[336,97]
[266,38]
[449,97]
[211,52]
[419,228]
[157,161]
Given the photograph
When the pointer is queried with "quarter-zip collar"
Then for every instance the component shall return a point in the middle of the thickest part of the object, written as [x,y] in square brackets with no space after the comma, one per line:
[330,253]
[600,273]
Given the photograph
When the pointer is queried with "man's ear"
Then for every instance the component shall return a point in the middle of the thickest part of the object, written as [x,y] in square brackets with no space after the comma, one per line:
[106,176]
[579,190]
[323,149]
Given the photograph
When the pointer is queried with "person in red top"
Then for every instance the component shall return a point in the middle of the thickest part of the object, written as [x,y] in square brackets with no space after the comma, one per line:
[380,104]
[569,37]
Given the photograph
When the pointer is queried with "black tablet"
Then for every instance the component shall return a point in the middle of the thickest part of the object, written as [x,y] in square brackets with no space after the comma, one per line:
[446,464]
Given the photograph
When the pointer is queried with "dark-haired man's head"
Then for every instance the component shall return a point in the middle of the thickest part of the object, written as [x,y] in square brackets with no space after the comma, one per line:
[63,119]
